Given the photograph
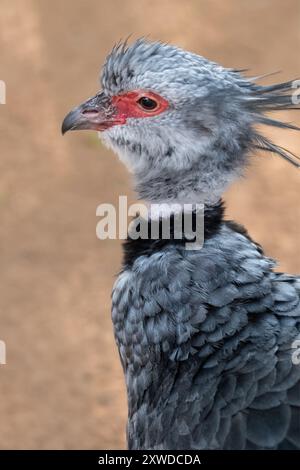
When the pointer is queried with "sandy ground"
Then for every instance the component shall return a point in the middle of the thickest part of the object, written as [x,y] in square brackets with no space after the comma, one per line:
[62,386]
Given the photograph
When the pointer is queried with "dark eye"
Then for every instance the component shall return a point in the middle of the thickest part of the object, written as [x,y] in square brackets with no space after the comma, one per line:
[147,103]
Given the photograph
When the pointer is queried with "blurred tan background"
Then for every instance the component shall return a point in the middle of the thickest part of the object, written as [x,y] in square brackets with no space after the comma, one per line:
[62,386]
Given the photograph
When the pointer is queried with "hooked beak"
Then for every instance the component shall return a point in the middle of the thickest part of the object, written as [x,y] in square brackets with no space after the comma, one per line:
[97,113]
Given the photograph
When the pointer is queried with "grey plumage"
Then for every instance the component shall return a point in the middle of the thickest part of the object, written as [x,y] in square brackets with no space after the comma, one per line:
[209,366]
[205,337]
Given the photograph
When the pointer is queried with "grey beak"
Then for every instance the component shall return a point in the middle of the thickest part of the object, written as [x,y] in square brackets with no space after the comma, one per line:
[96,113]
[72,121]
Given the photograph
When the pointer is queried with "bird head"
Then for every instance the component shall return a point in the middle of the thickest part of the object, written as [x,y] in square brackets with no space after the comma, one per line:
[183,125]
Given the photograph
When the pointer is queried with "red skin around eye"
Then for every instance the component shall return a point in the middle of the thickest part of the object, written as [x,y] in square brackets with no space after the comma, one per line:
[128,106]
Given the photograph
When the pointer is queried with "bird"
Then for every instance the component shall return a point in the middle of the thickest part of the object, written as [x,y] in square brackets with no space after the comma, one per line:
[205,336]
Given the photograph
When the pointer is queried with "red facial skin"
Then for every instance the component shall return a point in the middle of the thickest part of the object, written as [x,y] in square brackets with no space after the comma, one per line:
[128,107]
[100,113]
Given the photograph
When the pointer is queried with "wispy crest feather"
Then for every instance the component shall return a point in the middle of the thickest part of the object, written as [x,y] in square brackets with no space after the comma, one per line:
[278,97]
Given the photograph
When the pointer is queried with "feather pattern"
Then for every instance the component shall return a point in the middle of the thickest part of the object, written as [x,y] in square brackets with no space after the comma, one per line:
[205,340]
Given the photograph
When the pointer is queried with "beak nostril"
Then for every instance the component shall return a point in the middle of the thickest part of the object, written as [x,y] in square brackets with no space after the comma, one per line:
[90,111]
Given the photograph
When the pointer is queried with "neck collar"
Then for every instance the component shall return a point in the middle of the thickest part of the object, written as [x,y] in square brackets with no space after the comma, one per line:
[134,248]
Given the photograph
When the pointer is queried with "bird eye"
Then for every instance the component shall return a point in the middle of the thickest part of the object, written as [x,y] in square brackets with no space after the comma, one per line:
[147,103]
